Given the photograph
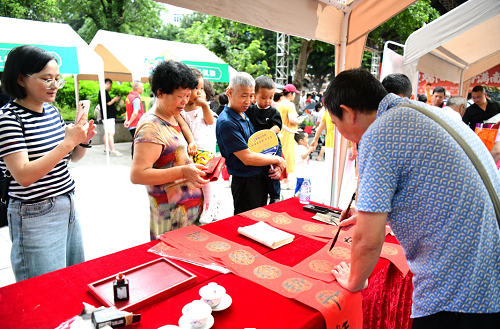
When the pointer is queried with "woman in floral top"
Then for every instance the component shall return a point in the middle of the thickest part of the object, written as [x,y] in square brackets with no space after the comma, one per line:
[161,160]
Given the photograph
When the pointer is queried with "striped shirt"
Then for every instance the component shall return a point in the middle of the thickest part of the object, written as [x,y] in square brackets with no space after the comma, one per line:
[42,133]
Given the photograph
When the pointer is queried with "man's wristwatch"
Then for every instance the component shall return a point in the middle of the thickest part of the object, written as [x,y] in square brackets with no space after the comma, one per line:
[87,146]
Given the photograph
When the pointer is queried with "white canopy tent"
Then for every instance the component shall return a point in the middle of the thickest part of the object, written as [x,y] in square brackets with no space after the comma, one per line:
[129,57]
[73,53]
[457,46]
[345,24]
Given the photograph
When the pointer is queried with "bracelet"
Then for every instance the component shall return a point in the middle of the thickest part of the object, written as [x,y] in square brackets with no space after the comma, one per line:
[86,146]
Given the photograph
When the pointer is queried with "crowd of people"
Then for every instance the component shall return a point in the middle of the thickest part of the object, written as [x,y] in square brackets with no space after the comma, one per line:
[412,174]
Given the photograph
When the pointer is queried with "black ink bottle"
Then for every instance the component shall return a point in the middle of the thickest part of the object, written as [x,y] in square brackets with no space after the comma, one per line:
[120,288]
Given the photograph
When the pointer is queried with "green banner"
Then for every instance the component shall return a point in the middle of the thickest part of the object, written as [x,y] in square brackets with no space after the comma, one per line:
[211,71]
[66,56]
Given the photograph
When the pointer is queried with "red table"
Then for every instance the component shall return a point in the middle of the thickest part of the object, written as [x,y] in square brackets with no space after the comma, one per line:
[47,300]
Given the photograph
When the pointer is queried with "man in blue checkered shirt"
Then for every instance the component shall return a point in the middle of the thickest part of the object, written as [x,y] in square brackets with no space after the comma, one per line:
[414,176]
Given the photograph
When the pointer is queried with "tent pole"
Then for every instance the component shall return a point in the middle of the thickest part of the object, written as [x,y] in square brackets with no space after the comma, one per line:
[77,91]
[461,85]
[336,144]
[104,113]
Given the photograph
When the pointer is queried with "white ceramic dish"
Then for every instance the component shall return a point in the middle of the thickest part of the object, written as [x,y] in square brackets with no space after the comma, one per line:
[184,323]
[212,294]
[224,303]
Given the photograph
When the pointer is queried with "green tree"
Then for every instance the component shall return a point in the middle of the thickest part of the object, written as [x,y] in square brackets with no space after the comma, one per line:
[321,64]
[237,44]
[137,17]
[38,10]
[168,32]
[400,27]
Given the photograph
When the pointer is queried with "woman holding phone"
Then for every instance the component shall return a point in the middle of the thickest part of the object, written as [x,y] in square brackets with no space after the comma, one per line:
[43,222]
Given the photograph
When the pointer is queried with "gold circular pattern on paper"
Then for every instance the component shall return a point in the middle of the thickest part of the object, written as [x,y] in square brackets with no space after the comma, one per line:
[197,236]
[340,253]
[296,285]
[389,250]
[267,272]
[241,257]
[218,246]
[331,299]
[280,219]
[313,228]
[261,214]
[321,266]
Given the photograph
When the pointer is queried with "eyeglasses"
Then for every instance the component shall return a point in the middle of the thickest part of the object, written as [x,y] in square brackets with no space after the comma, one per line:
[49,83]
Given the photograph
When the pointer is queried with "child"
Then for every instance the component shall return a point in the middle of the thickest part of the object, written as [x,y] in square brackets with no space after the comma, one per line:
[264,116]
[301,158]
[201,121]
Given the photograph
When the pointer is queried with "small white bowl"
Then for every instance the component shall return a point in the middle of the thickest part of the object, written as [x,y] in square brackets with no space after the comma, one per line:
[197,312]
[212,294]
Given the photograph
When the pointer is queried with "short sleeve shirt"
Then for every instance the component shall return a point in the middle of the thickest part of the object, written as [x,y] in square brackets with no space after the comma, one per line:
[264,118]
[301,164]
[330,129]
[176,204]
[233,132]
[203,134]
[437,206]
[42,133]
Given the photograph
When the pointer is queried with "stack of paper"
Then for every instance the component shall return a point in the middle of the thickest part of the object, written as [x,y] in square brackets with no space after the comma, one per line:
[266,234]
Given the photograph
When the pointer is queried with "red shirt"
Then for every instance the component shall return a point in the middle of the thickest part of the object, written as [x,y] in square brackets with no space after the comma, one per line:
[129,107]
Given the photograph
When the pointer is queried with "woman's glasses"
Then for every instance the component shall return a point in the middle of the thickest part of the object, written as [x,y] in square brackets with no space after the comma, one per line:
[49,83]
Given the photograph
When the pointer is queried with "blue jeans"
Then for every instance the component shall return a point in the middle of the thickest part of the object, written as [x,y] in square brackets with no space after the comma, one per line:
[298,185]
[273,185]
[46,236]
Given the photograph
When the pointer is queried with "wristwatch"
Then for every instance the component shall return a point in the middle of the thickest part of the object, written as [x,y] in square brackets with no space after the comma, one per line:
[87,146]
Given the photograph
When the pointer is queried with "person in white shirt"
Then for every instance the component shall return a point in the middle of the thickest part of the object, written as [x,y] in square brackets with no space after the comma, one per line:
[201,121]
[302,152]
[302,101]
[456,106]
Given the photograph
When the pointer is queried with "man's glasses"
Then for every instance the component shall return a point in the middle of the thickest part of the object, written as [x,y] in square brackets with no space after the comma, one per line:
[49,83]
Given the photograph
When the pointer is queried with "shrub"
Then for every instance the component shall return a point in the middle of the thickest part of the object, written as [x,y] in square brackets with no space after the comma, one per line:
[89,90]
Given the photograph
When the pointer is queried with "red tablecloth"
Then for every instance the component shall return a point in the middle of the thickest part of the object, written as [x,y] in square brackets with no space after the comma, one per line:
[47,300]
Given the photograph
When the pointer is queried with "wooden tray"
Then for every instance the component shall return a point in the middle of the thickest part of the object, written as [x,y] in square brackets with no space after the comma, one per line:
[148,283]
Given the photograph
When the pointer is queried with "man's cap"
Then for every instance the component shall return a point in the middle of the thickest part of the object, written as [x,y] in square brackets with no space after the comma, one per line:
[291,88]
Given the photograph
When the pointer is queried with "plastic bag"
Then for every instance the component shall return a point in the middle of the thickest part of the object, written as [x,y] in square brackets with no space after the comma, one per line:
[488,133]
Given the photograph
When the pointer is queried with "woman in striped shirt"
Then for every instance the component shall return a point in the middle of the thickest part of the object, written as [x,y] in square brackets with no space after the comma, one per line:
[43,222]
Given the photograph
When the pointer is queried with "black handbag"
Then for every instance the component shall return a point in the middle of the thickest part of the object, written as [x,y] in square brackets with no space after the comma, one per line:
[5,179]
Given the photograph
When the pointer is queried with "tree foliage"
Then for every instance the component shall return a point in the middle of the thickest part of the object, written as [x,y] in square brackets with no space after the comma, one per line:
[137,17]
[237,44]
[39,10]
[400,27]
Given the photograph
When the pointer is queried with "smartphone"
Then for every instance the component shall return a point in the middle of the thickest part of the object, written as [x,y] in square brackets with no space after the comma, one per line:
[83,108]
[318,209]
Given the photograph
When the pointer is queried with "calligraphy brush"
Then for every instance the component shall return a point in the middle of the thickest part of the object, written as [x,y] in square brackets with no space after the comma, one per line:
[346,212]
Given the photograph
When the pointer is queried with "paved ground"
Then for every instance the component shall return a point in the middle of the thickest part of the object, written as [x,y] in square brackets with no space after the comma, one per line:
[114,213]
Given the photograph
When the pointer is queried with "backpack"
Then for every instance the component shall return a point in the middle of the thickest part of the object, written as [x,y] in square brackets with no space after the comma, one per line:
[5,179]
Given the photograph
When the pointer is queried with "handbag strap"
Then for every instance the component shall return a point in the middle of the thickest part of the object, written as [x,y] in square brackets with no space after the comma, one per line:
[468,150]
[8,176]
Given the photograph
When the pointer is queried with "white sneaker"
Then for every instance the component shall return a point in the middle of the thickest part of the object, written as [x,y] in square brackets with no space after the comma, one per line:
[115,154]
